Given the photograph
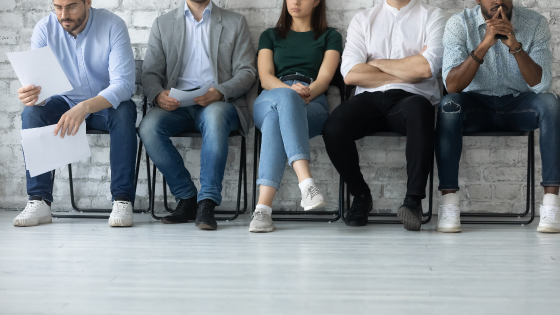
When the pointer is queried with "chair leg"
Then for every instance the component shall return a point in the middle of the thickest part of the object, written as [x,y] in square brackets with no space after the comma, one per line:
[244,148]
[430,196]
[256,148]
[153,189]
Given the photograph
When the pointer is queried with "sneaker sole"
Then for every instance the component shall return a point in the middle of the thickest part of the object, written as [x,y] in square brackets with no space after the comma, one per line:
[313,207]
[116,222]
[171,222]
[356,223]
[32,222]
[262,230]
[409,220]
[204,226]
[547,229]
[449,230]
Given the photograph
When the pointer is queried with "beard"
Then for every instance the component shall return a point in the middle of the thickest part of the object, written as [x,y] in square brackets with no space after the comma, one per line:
[488,13]
[76,23]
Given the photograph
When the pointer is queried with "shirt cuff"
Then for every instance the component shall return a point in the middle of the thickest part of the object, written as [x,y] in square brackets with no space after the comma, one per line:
[111,97]
[543,86]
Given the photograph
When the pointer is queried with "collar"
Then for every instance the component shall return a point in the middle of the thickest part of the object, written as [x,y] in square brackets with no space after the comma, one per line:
[403,10]
[207,9]
[480,20]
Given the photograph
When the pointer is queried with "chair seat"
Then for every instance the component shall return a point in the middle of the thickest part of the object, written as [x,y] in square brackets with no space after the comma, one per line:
[96,132]
[497,133]
[385,134]
[199,135]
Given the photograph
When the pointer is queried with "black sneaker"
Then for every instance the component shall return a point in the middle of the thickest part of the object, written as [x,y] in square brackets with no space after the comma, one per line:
[358,213]
[205,215]
[410,214]
[185,211]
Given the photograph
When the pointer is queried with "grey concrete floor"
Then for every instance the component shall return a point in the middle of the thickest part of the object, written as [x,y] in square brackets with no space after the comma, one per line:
[82,266]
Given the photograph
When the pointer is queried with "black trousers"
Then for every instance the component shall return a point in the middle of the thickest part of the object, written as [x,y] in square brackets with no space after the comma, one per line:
[393,110]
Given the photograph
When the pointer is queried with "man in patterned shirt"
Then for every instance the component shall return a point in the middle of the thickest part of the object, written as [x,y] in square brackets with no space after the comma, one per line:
[496,67]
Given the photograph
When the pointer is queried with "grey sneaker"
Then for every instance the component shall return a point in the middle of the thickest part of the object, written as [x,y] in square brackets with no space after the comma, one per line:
[312,198]
[262,222]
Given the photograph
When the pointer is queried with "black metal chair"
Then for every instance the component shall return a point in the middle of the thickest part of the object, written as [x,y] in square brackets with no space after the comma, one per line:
[426,217]
[138,65]
[241,182]
[337,81]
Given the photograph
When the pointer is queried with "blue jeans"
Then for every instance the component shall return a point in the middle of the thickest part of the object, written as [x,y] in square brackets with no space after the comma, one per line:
[215,122]
[287,124]
[471,112]
[121,124]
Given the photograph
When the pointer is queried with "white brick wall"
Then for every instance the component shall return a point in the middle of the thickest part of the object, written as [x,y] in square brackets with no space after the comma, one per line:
[492,174]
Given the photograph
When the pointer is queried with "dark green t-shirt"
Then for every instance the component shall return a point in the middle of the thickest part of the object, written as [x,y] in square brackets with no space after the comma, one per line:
[299,51]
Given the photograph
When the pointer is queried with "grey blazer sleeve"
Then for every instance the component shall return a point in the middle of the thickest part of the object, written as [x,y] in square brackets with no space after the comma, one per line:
[154,67]
[243,65]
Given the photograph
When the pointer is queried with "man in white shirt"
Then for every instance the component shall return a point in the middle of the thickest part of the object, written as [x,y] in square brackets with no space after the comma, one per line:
[393,54]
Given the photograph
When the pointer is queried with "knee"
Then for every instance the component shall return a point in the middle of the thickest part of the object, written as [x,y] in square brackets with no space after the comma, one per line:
[216,117]
[549,104]
[332,128]
[450,104]
[149,127]
[31,117]
[287,98]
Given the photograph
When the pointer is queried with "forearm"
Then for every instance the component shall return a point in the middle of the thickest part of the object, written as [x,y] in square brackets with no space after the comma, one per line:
[318,87]
[461,76]
[96,104]
[270,82]
[411,69]
[368,76]
[530,70]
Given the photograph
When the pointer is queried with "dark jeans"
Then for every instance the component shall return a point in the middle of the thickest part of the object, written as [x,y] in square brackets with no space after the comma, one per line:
[121,124]
[394,110]
[470,112]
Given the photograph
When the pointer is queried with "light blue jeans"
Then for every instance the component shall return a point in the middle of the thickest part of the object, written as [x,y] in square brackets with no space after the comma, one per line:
[215,122]
[287,124]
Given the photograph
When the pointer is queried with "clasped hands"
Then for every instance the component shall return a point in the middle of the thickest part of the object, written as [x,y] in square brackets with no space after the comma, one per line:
[164,101]
[499,24]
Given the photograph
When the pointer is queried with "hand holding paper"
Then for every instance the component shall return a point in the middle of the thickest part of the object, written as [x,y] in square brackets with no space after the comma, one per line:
[187,98]
[39,68]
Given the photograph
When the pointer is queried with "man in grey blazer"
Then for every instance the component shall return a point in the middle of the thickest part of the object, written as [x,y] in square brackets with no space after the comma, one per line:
[190,47]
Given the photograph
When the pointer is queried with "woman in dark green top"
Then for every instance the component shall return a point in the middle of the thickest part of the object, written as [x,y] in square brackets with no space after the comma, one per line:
[297,61]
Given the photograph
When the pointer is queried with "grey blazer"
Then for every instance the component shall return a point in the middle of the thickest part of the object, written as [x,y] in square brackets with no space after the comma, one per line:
[231,55]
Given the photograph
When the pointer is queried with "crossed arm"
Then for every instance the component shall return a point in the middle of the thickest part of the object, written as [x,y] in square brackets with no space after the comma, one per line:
[379,72]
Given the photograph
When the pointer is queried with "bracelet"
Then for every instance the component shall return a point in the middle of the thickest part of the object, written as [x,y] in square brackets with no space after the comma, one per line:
[517,50]
[476,58]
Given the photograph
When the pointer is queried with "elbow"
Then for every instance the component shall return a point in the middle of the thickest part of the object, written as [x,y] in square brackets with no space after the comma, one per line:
[426,74]
[349,80]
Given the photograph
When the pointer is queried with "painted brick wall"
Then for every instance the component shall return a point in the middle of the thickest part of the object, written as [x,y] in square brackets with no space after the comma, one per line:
[492,174]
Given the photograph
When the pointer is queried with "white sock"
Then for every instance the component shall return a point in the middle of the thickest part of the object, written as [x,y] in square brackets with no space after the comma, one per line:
[551,200]
[304,183]
[264,208]
[449,199]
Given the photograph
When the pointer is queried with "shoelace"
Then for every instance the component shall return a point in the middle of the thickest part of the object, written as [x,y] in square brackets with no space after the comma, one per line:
[449,211]
[313,191]
[259,216]
[205,207]
[552,213]
[358,206]
[121,207]
[31,207]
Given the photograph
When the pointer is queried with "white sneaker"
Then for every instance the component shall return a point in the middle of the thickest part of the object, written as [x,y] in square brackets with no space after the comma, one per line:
[262,222]
[550,214]
[36,212]
[121,214]
[449,214]
[312,198]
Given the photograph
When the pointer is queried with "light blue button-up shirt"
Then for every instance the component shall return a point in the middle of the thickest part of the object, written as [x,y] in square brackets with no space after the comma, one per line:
[99,61]
[499,75]
[196,57]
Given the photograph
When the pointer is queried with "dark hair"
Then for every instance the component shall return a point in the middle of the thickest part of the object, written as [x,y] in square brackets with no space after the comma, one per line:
[318,20]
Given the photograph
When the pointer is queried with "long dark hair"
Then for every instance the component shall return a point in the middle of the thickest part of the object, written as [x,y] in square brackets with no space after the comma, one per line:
[318,20]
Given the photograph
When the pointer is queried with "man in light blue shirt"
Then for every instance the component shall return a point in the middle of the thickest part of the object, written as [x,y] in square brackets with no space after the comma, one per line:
[497,67]
[93,48]
[190,47]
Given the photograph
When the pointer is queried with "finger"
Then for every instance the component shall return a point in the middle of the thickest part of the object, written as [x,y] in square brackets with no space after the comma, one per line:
[497,13]
[70,129]
[58,126]
[29,93]
[170,100]
[31,102]
[504,17]
[76,128]
[24,89]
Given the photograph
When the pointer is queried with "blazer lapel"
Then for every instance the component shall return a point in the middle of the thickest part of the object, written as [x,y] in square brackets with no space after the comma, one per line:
[214,40]
[179,31]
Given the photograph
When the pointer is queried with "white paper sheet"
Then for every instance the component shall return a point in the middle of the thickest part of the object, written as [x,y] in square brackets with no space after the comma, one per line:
[186,98]
[45,152]
[39,67]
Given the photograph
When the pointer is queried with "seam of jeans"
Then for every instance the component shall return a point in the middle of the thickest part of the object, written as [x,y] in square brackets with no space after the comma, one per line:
[269,183]
[297,157]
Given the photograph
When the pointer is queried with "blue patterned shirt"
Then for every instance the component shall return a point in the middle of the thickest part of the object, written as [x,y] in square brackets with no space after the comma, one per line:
[499,75]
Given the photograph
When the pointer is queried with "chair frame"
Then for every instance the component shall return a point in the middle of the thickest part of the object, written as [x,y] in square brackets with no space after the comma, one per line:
[138,64]
[338,82]
[242,181]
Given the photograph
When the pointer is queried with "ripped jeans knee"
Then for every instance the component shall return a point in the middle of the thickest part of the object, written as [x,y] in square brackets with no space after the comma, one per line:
[451,108]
